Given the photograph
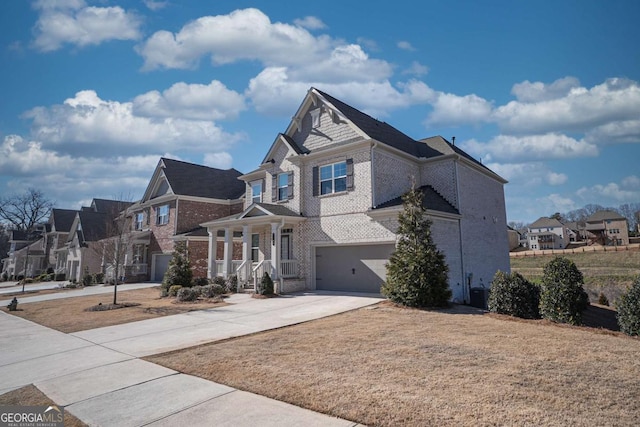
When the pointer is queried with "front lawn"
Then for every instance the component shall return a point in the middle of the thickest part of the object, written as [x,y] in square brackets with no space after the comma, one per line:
[390,366]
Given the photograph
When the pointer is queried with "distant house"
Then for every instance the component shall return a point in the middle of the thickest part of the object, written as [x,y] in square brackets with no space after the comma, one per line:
[609,228]
[179,197]
[548,233]
[321,210]
[514,238]
[26,257]
[60,222]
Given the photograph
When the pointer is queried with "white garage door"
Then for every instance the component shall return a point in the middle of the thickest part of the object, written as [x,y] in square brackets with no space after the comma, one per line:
[352,268]
[161,264]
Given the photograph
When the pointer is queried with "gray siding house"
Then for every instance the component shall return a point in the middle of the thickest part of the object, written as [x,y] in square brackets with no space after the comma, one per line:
[321,209]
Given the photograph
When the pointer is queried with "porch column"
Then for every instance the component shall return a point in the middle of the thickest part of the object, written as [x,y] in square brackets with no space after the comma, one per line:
[246,251]
[275,248]
[211,260]
[227,269]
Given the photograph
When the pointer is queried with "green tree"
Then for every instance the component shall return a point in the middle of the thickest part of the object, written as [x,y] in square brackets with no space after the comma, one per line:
[179,271]
[628,307]
[417,274]
[514,295]
[563,298]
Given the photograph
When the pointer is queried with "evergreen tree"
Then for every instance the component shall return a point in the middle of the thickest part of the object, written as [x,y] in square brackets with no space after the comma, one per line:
[417,274]
[179,271]
[563,298]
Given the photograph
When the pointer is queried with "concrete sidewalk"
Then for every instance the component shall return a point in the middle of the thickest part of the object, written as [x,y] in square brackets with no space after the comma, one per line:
[71,293]
[96,375]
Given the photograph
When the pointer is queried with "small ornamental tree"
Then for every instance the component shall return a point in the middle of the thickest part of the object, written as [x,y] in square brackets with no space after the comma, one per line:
[514,295]
[628,307]
[417,274]
[563,298]
[179,271]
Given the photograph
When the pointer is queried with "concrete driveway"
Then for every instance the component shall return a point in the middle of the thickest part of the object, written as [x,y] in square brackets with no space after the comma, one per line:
[98,377]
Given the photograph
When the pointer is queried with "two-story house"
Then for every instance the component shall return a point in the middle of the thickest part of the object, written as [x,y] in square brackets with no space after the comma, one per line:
[60,221]
[608,228]
[26,253]
[548,233]
[321,209]
[179,197]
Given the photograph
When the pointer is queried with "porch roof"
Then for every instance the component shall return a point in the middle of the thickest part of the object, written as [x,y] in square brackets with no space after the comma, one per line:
[257,213]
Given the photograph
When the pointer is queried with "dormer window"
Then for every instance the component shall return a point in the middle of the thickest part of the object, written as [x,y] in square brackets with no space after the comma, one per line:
[256,191]
[315,117]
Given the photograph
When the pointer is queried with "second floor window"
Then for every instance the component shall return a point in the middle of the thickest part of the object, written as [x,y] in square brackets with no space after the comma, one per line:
[138,221]
[282,186]
[256,192]
[162,215]
[333,178]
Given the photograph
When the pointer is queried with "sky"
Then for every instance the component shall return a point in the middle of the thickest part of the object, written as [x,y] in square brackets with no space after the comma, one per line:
[544,93]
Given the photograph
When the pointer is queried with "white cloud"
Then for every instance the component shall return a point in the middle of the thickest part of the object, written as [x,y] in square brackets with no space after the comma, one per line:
[554,178]
[555,203]
[580,110]
[76,23]
[405,45]
[246,34]
[156,5]
[417,69]
[528,174]
[530,148]
[625,131]
[221,160]
[627,191]
[539,91]
[88,125]
[451,110]
[191,101]
[310,22]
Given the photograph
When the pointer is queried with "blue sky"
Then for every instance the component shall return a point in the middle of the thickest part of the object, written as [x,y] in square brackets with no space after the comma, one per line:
[545,93]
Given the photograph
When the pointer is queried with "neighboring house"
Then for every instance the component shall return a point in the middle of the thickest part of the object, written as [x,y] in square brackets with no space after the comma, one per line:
[90,226]
[26,253]
[548,233]
[60,222]
[179,197]
[609,228]
[514,237]
[321,209]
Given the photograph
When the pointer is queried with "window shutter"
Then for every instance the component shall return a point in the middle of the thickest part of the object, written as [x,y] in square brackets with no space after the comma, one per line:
[349,174]
[148,215]
[290,185]
[316,180]
[274,187]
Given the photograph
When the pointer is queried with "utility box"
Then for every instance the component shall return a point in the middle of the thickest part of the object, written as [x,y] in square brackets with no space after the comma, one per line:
[479,297]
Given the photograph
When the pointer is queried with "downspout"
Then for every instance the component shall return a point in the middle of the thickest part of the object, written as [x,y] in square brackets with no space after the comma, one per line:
[281,279]
[373,178]
[462,269]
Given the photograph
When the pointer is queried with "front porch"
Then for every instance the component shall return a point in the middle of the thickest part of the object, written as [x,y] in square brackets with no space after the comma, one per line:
[270,244]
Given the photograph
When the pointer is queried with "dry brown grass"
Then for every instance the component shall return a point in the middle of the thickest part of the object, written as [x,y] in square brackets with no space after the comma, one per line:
[69,315]
[31,396]
[390,366]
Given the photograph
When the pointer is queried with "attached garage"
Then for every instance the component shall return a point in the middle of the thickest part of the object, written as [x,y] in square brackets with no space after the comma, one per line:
[160,266]
[352,268]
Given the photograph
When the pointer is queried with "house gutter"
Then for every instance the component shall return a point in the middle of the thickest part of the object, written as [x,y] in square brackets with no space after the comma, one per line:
[373,178]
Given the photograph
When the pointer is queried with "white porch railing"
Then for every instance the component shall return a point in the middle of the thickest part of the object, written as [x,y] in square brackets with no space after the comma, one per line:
[289,268]
[243,271]
[219,267]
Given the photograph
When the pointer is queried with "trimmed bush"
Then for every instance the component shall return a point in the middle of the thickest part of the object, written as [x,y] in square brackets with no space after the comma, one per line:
[266,285]
[602,299]
[98,278]
[188,294]
[231,284]
[200,281]
[218,280]
[87,280]
[628,307]
[514,295]
[563,299]
[173,290]
[179,271]
[212,291]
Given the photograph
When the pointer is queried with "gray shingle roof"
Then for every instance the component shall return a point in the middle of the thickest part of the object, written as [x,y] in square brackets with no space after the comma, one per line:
[545,222]
[431,200]
[94,225]
[63,219]
[111,207]
[188,179]
[604,215]
[278,209]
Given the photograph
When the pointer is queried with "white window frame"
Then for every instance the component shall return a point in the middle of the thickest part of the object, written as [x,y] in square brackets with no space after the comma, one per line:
[283,190]
[162,218]
[256,198]
[255,246]
[139,221]
[333,178]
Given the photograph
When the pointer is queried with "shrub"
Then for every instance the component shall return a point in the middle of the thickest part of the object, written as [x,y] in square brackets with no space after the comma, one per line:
[188,294]
[5,276]
[417,274]
[219,281]
[98,278]
[212,291]
[87,280]
[602,299]
[50,270]
[200,281]
[266,285]
[179,271]
[514,295]
[231,284]
[628,307]
[562,298]
[173,290]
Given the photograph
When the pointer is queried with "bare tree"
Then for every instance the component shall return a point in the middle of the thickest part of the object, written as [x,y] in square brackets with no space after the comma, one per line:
[24,211]
[116,242]
[629,211]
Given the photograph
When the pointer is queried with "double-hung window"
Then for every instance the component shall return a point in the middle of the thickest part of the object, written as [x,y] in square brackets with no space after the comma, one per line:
[256,192]
[255,247]
[139,220]
[162,215]
[282,186]
[333,178]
